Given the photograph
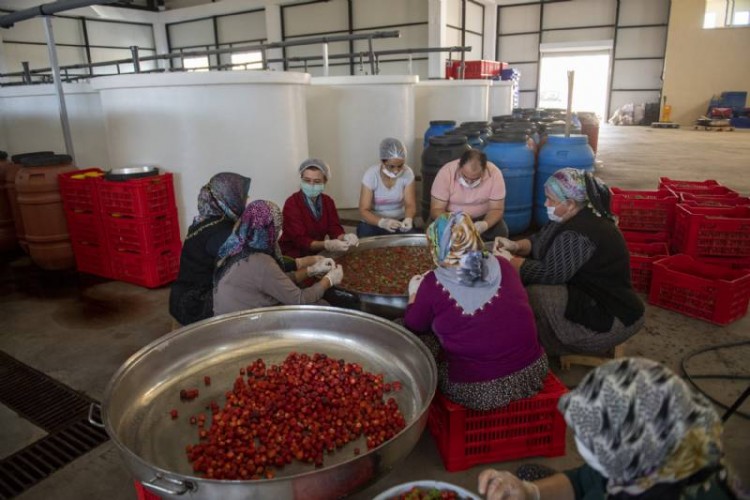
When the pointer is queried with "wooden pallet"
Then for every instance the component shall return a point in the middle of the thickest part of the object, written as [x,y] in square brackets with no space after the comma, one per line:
[665,125]
[590,360]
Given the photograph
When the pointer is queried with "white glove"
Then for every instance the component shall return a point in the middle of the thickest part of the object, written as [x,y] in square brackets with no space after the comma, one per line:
[414,283]
[501,252]
[321,267]
[335,245]
[335,275]
[498,485]
[389,225]
[481,226]
[505,243]
[406,225]
[352,239]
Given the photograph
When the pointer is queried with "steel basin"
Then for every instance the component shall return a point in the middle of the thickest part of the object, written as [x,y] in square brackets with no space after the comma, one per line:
[137,401]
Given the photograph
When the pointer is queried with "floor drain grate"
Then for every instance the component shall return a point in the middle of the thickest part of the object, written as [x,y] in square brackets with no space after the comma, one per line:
[38,398]
[54,407]
[36,462]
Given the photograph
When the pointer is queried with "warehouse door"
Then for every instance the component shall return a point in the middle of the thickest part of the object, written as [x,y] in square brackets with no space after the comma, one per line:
[590,89]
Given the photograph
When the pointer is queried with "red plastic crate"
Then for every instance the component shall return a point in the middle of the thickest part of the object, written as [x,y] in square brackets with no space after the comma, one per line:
[732,263]
[143,494]
[85,227]
[646,236]
[525,428]
[704,188]
[475,69]
[142,234]
[727,200]
[92,259]
[149,270]
[712,231]
[643,210]
[712,293]
[642,258]
[79,189]
[138,197]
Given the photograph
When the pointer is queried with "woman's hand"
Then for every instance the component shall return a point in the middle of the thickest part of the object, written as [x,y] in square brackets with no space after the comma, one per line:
[497,485]
[505,244]
[390,225]
[336,245]
[321,267]
[303,262]
[406,225]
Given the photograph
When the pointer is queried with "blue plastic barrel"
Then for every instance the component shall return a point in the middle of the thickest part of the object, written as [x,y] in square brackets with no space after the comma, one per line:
[473,137]
[438,127]
[512,154]
[559,152]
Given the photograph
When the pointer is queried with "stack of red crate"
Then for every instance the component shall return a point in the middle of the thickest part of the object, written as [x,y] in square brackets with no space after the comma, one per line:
[142,229]
[478,69]
[80,195]
[645,219]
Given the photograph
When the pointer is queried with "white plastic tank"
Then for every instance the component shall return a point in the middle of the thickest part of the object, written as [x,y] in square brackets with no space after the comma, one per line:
[459,100]
[348,116]
[501,98]
[198,124]
[30,121]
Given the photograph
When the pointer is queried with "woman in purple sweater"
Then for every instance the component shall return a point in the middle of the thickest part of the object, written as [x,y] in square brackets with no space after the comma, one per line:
[474,314]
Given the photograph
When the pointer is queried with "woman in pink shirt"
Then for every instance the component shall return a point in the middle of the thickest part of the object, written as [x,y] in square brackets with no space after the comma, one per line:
[475,187]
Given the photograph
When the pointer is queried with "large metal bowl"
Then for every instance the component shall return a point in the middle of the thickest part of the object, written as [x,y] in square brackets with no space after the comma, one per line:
[136,405]
[388,306]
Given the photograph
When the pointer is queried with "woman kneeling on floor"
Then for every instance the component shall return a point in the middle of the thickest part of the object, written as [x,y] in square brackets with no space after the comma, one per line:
[577,269]
[250,273]
[474,304]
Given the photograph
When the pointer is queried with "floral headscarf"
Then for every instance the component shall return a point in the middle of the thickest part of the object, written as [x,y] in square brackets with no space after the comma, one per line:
[643,425]
[223,196]
[465,269]
[256,231]
[582,187]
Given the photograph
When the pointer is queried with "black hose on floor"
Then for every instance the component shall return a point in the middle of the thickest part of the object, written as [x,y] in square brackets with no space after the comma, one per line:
[691,378]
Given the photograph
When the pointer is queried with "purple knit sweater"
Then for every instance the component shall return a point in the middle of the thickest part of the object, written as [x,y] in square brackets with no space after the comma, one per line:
[497,340]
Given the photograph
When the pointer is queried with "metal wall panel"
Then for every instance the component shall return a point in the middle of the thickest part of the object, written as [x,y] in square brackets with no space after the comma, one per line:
[195,33]
[241,27]
[474,17]
[452,36]
[66,30]
[454,13]
[519,19]
[638,75]
[578,35]
[368,13]
[528,75]
[411,36]
[641,42]
[318,17]
[518,48]
[116,34]
[475,42]
[317,49]
[635,12]
[579,13]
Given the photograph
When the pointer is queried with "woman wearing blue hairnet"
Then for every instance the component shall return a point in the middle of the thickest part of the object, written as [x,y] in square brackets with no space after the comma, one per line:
[388,197]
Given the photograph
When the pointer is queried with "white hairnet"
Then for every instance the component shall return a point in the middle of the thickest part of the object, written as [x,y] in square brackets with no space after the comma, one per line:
[316,163]
[391,148]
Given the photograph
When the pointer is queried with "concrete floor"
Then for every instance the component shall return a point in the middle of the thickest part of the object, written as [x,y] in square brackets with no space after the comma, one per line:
[80,329]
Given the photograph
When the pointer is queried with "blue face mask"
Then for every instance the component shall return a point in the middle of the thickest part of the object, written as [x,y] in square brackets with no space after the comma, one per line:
[312,190]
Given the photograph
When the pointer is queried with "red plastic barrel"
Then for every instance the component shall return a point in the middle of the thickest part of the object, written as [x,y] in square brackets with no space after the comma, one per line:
[8,239]
[12,197]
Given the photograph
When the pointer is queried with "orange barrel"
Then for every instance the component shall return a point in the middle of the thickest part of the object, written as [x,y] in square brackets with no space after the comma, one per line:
[42,210]
[10,189]
[8,239]
[590,128]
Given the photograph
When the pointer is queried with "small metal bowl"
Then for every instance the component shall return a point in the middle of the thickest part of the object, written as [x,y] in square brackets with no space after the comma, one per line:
[133,172]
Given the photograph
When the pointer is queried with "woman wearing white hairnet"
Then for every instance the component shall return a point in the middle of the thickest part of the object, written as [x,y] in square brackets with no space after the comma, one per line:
[388,197]
[311,222]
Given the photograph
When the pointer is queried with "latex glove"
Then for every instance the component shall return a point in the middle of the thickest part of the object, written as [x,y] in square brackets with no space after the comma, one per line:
[406,225]
[501,252]
[321,267]
[414,283]
[336,245]
[505,243]
[498,485]
[390,225]
[352,239]
[335,275]
[481,226]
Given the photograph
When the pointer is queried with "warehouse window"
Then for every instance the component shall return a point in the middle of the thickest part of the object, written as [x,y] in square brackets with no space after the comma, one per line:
[195,63]
[247,60]
[726,13]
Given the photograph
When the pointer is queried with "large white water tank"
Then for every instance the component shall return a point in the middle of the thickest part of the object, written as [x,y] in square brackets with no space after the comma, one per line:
[348,116]
[198,124]
[501,98]
[30,117]
[459,100]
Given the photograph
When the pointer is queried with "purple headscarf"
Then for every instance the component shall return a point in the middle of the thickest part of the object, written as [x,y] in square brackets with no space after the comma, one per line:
[582,187]
[223,196]
[256,231]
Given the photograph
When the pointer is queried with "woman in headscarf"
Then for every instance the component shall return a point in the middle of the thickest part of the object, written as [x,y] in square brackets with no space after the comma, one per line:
[388,195]
[311,222]
[473,313]
[220,203]
[577,269]
[643,434]
[249,272]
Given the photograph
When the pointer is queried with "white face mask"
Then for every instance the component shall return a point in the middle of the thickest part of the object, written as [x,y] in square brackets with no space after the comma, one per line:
[467,184]
[590,458]
[551,215]
[392,175]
